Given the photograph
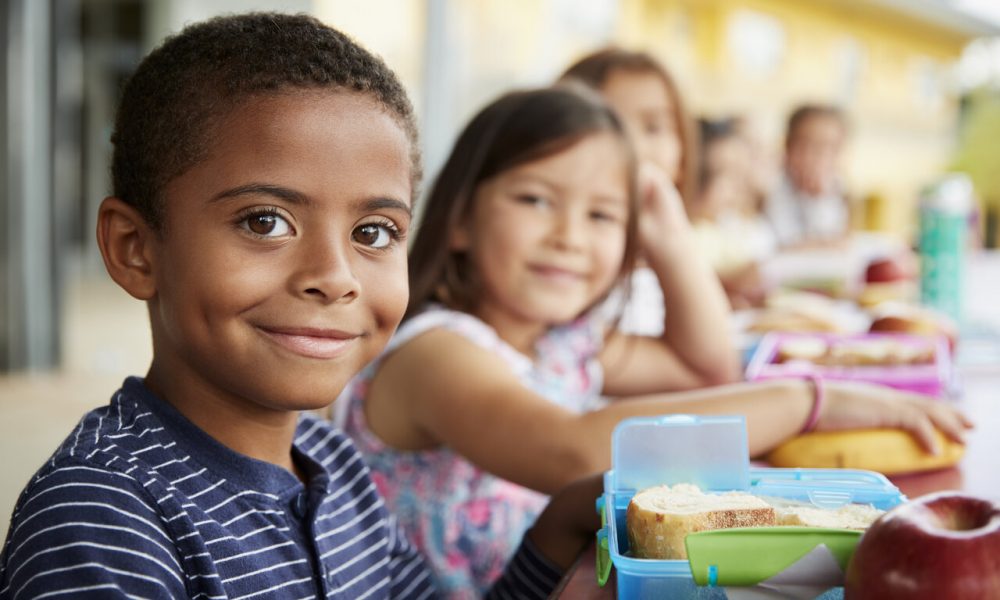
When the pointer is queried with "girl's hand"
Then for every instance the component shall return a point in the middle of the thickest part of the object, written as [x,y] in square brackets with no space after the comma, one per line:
[663,219]
[866,406]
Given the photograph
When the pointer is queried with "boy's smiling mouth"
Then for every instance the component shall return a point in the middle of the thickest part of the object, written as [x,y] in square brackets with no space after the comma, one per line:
[311,342]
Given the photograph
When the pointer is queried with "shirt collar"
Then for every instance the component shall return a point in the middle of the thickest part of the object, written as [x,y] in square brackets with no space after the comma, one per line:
[221,461]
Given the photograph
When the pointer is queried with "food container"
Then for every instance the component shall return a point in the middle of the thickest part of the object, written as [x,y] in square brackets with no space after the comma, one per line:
[710,452]
[930,378]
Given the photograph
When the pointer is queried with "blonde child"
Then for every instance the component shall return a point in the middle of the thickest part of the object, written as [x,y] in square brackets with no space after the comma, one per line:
[473,413]
[264,168]
[644,96]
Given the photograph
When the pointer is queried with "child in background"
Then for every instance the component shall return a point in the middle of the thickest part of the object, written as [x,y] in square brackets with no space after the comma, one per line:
[808,207]
[764,168]
[731,232]
[474,410]
[646,99]
[264,168]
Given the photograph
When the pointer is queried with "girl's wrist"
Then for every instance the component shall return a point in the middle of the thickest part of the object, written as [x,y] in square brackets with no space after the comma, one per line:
[669,251]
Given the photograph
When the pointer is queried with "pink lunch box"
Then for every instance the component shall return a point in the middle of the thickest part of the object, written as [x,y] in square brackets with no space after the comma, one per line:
[930,378]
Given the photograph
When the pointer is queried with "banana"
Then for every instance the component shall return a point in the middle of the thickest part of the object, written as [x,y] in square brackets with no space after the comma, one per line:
[888,451]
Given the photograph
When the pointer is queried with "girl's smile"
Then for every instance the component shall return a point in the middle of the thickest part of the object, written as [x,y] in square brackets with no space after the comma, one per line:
[558,276]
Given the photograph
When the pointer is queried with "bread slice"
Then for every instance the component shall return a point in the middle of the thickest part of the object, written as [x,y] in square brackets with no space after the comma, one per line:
[807,348]
[848,516]
[659,518]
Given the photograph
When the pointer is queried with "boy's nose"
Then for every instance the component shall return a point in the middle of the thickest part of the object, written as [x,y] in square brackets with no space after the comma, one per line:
[325,272]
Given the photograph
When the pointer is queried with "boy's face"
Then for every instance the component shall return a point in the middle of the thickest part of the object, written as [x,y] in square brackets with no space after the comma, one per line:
[282,271]
[812,154]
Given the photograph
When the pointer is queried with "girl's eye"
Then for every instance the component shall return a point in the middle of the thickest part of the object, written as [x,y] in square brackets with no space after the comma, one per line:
[375,235]
[599,215]
[532,199]
[267,224]
[658,127]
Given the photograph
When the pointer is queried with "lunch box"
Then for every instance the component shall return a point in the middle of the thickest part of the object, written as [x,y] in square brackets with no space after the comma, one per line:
[711,452]
[931,378]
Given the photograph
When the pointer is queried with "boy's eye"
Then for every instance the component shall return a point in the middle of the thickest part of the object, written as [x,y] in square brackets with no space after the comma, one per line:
[374,235]
[267,225]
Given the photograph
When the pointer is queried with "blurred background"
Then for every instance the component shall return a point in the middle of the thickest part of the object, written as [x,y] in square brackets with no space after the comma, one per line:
[919,81]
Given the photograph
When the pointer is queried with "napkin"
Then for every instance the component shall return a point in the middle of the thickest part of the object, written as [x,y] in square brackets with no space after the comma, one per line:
[804,579]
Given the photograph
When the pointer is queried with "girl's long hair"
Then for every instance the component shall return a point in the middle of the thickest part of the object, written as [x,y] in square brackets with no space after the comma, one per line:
[517,128]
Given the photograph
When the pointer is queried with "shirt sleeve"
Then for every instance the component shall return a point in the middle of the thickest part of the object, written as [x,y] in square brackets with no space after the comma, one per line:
[529,575]
[83,532]
[410,577]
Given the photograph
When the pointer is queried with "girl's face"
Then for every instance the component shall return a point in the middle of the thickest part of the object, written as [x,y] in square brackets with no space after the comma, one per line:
[547,238]
[643,103]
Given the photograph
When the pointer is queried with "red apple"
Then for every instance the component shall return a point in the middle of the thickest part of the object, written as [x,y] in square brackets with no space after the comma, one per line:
[940,546]
[883,270]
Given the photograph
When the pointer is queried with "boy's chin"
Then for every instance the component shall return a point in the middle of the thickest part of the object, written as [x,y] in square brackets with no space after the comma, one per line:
[302,395]
[304,405]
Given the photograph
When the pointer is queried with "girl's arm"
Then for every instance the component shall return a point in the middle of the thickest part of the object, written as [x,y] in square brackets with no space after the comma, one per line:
[697,347]
[442,389]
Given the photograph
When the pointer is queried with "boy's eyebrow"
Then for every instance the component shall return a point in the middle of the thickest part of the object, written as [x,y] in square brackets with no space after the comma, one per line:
[374,204]
[261,188]
[295,197]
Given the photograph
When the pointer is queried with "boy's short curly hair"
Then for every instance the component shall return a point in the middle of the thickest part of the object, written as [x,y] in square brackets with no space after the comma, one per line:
[173,104]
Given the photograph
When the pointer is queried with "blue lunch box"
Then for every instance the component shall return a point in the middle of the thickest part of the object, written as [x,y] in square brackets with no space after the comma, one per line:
[710,452]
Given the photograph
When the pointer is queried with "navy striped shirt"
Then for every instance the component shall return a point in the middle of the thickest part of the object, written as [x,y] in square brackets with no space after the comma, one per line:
[140,502]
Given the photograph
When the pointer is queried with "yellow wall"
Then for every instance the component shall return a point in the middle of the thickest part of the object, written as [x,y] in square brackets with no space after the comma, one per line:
[901,137]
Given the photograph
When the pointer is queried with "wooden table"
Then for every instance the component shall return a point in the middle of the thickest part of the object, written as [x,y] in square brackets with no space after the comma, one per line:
[978,473]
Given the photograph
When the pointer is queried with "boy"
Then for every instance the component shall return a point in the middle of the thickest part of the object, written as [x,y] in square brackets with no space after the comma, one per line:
[264,170]
[808,206]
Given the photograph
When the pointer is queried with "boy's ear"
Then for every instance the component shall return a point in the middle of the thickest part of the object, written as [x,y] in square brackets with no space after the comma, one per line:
[126,243]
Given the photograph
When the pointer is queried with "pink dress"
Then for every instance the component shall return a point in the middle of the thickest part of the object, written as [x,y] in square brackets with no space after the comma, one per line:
[467,522]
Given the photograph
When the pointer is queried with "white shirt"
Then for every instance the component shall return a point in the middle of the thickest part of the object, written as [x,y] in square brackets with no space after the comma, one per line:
[797,218]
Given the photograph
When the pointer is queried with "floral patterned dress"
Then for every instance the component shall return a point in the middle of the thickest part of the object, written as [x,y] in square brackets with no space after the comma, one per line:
[467,522]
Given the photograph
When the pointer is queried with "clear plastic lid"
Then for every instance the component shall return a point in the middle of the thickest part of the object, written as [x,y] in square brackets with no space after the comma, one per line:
[827,488]
[710,452]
